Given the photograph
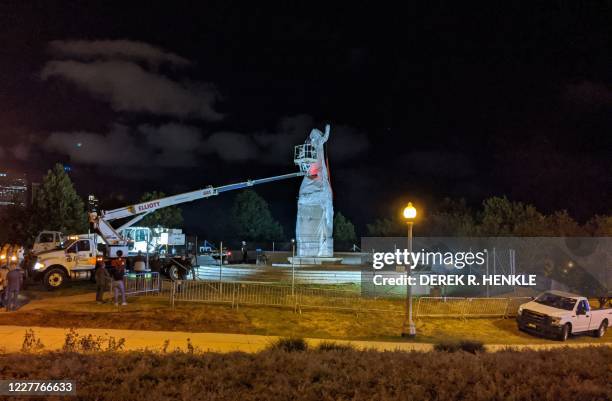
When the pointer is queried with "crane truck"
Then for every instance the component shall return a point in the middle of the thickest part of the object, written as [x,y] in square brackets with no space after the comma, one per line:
[76,256]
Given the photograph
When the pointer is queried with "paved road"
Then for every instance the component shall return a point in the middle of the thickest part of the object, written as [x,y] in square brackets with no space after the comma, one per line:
[53,339]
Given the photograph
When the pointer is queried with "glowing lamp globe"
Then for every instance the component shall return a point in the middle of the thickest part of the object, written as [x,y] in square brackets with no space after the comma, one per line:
[410,211]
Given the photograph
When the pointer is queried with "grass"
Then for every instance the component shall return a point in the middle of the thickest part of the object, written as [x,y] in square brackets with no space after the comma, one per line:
[275,374]
[75,307]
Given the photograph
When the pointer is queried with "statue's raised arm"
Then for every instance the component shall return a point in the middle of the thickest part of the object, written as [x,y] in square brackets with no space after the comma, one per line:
[317,138]
[326,136]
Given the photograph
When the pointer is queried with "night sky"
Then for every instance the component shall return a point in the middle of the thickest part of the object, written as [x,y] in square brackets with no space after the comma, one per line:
[424,104]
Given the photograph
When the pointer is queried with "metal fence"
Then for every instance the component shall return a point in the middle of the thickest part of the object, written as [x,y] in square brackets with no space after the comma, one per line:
[468,307]
[141,283]
[233,293]
[304,297]
[297,298]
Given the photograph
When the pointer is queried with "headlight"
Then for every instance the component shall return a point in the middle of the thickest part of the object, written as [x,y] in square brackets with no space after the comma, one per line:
[520,310]
[555,321]
[38,266]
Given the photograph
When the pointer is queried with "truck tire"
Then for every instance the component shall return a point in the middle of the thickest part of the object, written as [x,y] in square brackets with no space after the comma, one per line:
[565,332]
[54,278]
[175,272]
[601,331]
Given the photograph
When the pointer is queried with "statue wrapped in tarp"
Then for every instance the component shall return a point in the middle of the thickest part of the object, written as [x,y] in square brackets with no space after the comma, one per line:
[315,212]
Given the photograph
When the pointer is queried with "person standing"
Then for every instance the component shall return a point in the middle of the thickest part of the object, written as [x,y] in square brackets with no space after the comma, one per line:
[245,252]
[15,281]
[140,264]
[102,280]
[3,285]
[118,272]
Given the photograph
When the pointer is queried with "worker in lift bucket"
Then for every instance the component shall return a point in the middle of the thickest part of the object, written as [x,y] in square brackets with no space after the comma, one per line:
[118,272]
[245,252]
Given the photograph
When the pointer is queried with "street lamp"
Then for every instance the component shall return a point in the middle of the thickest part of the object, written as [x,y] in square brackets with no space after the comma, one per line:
[408,327]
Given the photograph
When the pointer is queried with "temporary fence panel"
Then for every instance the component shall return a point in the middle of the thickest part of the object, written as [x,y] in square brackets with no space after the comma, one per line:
[439,306]
[468,307]
[141,283]
[300,297]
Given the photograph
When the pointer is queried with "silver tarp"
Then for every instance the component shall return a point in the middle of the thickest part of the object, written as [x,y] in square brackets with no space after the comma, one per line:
[315,214]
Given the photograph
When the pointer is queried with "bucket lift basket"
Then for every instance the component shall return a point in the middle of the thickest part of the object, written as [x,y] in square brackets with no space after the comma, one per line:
[304,156]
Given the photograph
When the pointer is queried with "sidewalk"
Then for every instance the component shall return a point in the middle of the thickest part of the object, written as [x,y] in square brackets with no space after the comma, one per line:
[53,339]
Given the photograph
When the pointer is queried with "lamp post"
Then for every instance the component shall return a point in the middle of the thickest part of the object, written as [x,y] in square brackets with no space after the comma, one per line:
[408,327]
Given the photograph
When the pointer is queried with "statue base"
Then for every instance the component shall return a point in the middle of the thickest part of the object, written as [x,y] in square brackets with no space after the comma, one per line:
[314,260]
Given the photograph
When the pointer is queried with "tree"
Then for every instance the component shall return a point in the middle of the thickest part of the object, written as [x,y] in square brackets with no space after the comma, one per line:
[344,230]
[252,219]
[452,218]
[501,217]
[600,226]
[386,228]
[169,217]
[57,206]
[561,224]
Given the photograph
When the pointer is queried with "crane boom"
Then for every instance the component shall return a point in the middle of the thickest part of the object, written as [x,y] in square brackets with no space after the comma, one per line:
[140,210]
[153,205]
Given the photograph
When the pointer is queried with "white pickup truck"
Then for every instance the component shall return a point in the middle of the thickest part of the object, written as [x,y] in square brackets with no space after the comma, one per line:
[561,314]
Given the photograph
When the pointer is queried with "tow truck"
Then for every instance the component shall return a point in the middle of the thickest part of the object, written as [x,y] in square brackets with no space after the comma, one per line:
[560,314]
[76,257]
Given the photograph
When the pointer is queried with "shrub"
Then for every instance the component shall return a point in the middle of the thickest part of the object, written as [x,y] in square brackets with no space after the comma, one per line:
[289,344]
[563,374]
[446,346]
[30,342]
[74,342]
[333,346]
[470,346]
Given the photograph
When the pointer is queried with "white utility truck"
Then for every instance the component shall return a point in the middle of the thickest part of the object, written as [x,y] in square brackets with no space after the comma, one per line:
[560,314]
[159,240]
[58,260]
[47,240]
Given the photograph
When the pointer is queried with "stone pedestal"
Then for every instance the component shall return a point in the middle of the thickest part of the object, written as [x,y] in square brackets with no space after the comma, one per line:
[314,260]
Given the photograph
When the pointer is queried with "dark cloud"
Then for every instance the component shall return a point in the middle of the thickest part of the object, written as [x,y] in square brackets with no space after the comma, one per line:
[276,147]
[126,74]
[118,147]
[145,148]
[131,88]
[173,144]
[21,151]
[115,49]
[231,146]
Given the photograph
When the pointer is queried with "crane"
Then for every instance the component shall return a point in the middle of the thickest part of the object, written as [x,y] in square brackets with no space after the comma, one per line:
[101,223]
